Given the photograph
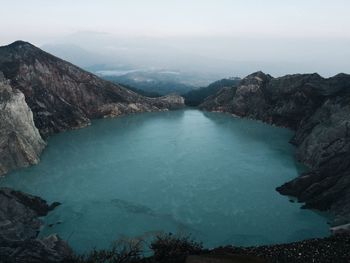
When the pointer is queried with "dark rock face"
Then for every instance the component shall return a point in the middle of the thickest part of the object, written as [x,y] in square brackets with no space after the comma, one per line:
[19,228]
[197,96]
[63,96]
[318,110]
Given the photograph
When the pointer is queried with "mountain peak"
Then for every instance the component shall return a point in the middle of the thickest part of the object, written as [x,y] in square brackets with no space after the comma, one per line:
[256,77]
[20,44]
[259,74]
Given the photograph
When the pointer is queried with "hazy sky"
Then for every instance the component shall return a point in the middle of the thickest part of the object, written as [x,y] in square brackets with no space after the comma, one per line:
[38,19]
[265,31]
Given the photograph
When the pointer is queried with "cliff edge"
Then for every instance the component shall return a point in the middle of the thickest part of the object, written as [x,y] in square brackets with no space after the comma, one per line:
[20,141]
[318,109]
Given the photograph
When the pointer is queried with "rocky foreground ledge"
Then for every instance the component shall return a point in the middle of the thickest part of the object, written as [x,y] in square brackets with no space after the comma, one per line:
[19,229]
[318,109]
[334,249]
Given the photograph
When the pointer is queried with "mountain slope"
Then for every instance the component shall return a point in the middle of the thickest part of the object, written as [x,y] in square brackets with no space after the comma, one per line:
[161,82]
[42,93]
[63,96]
[197,96]
[318,110]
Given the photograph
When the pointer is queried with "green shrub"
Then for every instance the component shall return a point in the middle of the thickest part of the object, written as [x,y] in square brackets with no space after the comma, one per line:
[121,252]
[172,248]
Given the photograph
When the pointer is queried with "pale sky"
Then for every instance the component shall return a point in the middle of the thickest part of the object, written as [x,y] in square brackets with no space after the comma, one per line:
[240,36]
[40,19]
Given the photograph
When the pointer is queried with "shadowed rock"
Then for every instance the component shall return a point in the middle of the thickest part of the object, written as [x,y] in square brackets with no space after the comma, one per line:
[318,109]
[19,228]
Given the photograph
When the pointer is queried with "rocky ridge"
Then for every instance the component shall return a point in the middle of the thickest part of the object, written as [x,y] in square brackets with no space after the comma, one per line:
[318,110]
[63,96]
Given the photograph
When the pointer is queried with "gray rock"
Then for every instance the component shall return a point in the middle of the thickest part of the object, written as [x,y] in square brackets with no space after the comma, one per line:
[20,141]
[19,228]
[318,110]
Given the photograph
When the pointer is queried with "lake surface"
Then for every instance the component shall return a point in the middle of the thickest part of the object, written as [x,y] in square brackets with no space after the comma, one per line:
[187,171]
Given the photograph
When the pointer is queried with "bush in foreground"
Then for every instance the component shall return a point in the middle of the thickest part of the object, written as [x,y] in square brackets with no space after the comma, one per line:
[120,252]
[167,248]
[170,248]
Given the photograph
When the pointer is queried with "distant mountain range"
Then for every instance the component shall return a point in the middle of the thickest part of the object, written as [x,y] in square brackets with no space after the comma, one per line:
[116,60]
[151,82]
[197,96]
[157,82]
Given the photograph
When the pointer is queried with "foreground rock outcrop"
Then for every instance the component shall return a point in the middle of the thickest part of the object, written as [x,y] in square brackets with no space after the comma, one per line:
[19,228]
[318,110]
[20,141]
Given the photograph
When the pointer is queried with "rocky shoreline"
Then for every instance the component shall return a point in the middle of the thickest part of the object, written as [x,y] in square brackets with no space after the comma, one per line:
[319,112]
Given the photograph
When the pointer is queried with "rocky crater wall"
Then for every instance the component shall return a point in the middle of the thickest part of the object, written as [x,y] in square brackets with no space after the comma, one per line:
[318,110]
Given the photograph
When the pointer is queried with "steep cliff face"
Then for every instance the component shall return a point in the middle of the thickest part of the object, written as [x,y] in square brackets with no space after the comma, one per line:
[20,141]
[63,96]
[318,110]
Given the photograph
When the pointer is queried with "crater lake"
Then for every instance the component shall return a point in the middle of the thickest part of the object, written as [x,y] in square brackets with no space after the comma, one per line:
[208,175]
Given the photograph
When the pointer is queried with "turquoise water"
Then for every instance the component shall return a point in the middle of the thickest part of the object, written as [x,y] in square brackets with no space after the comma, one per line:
[207,174]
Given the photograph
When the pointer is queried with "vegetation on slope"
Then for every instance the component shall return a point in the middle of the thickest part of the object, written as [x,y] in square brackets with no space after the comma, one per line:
[196,97]
[152,83]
